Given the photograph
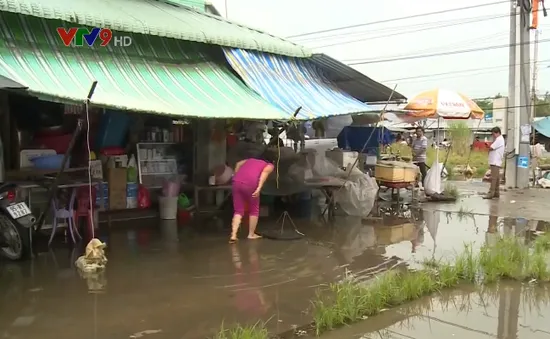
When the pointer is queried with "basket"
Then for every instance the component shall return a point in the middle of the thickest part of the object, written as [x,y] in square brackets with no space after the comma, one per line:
[168,208]
[49,162]
[395,171]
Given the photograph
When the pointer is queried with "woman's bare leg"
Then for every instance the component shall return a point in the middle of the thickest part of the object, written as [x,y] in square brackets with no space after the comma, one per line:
[235,224]
[252,223]
[254,208]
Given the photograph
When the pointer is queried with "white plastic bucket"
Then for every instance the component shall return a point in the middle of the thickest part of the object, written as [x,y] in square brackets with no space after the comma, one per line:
[168,208]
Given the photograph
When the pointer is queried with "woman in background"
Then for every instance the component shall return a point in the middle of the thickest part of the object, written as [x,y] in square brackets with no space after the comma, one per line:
[248,180]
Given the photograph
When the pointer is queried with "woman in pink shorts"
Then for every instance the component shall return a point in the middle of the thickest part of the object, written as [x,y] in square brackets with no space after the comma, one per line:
[250,176]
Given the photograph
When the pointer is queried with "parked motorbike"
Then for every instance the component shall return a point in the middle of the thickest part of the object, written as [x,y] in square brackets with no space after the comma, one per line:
[16,221]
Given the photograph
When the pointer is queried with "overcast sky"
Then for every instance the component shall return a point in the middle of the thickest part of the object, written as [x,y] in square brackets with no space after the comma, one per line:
[487,72]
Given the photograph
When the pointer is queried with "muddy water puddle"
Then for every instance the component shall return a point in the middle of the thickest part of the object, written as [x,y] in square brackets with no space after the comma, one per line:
[164,282]
[506,311]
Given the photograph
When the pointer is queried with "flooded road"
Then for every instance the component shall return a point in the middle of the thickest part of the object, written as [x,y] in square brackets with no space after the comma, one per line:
[166,282]
[507,311]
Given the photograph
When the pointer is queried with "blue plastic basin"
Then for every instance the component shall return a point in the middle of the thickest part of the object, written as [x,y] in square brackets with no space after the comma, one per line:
[49,161]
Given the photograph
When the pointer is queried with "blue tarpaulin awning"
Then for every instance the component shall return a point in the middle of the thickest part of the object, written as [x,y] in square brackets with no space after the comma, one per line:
[289,83]
[543,126]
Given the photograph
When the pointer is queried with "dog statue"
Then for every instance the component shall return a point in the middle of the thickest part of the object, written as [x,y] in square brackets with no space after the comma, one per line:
[94,258]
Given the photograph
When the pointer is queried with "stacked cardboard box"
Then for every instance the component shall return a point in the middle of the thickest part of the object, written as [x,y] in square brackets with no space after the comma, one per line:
[116,178]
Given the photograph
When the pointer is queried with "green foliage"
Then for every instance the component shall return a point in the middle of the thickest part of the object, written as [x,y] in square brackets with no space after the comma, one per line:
[460,135]
[542,108]
[485,104]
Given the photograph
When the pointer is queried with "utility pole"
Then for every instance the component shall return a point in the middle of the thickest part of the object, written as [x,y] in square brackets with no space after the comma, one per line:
[511,127]
[522,173]
[535,76]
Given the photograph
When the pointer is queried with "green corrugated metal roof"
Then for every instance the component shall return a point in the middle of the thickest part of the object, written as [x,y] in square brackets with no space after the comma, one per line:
[154,75]
[156,18]
[199,5]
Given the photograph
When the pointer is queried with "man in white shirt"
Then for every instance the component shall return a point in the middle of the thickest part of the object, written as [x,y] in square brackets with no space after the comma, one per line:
[496,157]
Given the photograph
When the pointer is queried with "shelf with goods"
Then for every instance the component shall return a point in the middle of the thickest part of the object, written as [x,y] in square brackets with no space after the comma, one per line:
[156,163]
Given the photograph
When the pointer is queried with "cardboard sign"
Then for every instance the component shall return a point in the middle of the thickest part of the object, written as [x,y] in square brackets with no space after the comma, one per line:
[96,169]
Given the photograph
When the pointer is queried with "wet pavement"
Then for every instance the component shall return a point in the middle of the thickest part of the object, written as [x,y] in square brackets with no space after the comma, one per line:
[531,203]
[163,281]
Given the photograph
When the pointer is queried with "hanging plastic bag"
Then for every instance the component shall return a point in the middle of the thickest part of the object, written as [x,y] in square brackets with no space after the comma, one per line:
[432,182]
[171,188]
[144,197]
[131,172]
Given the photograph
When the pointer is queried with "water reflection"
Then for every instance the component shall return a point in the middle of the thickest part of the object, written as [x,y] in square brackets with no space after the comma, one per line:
[170,235]
[249,299]
[504,311]
[156,276]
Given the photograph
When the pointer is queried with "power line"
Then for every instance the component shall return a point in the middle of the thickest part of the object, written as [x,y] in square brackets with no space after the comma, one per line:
[400,18]
[509,107]
[470,75]
[352,62]
[446,47]
[406,29]
[386,29]
[465,22]
[454,72]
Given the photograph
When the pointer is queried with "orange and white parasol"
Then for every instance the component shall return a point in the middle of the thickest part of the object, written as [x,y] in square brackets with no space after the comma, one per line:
[441,103]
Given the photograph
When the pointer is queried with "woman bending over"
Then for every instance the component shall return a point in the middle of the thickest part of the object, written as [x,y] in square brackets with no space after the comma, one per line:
[248,180]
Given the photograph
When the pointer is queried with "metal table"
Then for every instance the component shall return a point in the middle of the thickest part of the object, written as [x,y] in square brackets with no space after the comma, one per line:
[327,185]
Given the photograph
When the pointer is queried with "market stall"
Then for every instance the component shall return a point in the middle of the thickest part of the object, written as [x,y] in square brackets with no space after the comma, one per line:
[439,104]
[131,157]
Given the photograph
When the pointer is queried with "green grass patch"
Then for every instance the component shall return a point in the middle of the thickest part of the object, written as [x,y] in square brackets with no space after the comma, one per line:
[348,302]
[451,190]
[256,331]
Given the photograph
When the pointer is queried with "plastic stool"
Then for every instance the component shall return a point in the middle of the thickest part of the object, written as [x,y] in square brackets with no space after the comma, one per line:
[65,214]
[83,207]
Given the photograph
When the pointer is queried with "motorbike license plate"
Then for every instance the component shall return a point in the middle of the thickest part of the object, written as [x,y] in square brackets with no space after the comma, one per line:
[18,210]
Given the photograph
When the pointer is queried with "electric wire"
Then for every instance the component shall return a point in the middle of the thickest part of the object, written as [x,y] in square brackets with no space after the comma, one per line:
[421,15]
[500,108]
[421,76]
[91,202]
[352,62]
[400,28]
[406,30]
[470,21]
[450,46]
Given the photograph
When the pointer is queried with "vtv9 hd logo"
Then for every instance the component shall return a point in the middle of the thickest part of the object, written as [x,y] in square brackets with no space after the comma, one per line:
[81,36]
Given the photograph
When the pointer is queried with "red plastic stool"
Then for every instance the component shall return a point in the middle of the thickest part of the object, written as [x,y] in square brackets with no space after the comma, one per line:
[83,207]
[184,216]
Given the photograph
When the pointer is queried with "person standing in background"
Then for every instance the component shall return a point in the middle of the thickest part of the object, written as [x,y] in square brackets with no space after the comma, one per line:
[419,147]
[496,156]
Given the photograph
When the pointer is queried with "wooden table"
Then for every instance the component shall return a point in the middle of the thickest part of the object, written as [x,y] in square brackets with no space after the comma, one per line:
[210,188]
